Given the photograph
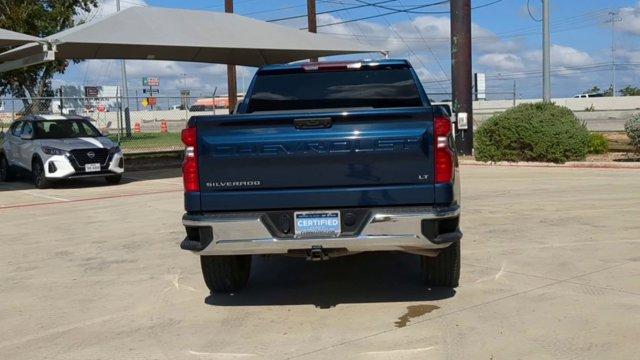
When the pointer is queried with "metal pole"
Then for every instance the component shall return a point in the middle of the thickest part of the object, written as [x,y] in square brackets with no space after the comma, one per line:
[232,85]
[125,92]
[514,93]
[613,22]
[546,52]
[312,22]
[462,83]
[61,103]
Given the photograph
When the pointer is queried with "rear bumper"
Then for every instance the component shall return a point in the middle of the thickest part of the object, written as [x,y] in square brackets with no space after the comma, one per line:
[386,229]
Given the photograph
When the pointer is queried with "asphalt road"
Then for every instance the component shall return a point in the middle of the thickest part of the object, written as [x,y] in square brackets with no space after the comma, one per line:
[551,270]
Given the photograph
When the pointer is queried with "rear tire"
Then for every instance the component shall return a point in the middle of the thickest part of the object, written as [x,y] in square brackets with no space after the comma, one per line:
[226,273]
[113,179]
[444,269]
[39,177]
[7,172]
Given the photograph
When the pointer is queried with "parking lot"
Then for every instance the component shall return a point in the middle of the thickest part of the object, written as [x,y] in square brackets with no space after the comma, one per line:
[551,270]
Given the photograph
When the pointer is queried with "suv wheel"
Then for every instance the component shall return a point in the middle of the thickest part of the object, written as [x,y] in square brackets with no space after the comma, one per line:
[113,179]
[226,273]
[7,172]
[39,178]
[444,269]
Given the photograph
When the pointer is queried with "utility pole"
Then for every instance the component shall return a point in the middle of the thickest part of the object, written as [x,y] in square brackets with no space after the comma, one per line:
[515,93]
[461,73]
[232,84]
[125,92]
[613,22]
[546,52]
[311,20]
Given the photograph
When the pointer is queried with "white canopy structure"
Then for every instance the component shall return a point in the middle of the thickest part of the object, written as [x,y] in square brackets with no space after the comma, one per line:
[12,38]
[150,33]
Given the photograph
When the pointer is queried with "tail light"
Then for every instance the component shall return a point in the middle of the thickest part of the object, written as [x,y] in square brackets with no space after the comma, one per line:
[444,154]
[190,176]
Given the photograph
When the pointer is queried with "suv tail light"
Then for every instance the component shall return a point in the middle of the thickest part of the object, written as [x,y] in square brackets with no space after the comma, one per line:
[190,176]
[444,154]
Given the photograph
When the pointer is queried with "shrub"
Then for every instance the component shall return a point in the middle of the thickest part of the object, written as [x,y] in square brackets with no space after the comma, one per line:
[533,132]
[598,144]
[632,127]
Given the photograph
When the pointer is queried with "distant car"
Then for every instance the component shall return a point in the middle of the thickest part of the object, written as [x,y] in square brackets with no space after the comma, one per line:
[54,147]
[198,108]
[586,96]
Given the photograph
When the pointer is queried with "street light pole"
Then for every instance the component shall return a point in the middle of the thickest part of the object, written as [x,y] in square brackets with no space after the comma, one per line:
[613,22]
[546,52]
[125,92]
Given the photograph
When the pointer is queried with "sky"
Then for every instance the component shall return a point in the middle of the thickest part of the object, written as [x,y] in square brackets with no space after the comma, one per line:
[506,45]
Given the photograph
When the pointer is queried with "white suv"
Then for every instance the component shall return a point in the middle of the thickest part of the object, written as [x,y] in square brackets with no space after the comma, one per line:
[59,147]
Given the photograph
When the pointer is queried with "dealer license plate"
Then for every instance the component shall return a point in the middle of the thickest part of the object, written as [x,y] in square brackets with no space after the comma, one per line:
[312,224]
[92,167]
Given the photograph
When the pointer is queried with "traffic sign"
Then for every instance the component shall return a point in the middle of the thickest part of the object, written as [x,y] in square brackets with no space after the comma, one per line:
[91,91]
[152,101]
[151,91]
[150,81]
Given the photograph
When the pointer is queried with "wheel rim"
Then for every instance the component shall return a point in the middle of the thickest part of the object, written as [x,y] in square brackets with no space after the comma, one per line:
[39,174]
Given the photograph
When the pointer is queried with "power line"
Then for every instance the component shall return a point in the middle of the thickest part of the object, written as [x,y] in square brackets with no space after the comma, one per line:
[530,13]
[382,15]
[330,11]
[409,10]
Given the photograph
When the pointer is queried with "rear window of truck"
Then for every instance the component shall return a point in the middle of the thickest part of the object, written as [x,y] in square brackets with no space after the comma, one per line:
[367,88]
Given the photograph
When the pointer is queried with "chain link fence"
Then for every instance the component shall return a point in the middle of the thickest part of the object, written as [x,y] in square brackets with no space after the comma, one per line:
[140,128]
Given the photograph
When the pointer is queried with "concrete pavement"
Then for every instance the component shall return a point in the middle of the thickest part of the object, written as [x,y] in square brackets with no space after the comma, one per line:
[551,270]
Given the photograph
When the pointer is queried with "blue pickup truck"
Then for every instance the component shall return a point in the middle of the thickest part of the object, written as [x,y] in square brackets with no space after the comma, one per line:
[322,160]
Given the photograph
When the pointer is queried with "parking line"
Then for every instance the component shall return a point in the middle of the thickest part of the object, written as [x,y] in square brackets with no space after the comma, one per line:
[154,180]
[88,199]
[45,196]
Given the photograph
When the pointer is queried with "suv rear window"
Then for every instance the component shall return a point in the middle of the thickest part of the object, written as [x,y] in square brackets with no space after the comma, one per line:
[367,88]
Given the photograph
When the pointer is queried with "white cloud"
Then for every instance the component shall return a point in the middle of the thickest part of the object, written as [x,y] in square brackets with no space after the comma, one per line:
[561,56]
[630,19]
[502,62]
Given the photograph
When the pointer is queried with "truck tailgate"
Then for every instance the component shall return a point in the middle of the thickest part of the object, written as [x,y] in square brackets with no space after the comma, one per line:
[293,160]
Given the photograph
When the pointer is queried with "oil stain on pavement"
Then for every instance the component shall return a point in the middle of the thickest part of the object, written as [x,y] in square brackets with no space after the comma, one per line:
[414,311]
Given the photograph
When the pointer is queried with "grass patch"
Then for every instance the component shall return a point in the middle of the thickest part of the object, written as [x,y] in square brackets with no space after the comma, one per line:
[149,142]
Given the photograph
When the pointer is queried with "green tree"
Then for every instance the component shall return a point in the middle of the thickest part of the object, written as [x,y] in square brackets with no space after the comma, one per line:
[597,90]
[630,91]
[593,90]
[39,18]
